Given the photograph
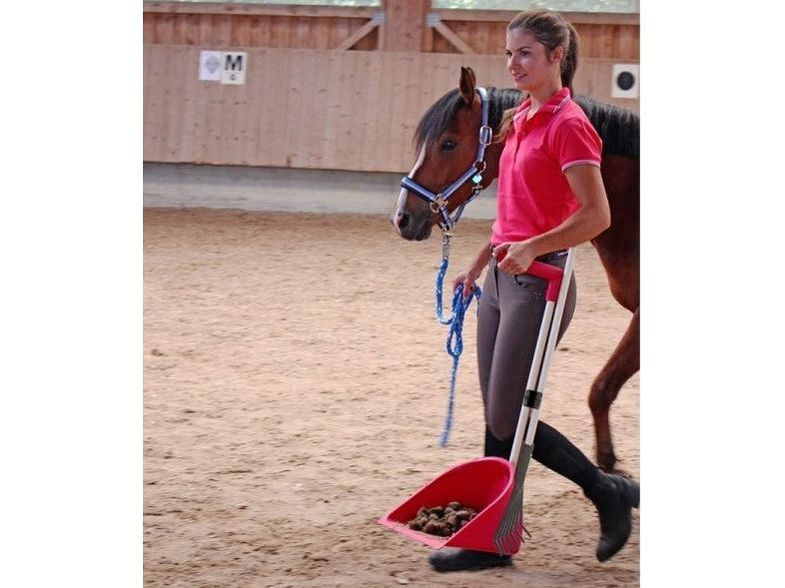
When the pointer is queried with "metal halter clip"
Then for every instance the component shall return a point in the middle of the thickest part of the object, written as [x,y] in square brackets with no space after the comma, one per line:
[446,236]
[438,204]
[486,134]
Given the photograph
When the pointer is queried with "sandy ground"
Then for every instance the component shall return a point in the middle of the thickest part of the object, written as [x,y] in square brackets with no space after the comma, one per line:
[295,384]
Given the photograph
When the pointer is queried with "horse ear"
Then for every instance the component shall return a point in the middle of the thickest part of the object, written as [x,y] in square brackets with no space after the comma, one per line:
[467,85]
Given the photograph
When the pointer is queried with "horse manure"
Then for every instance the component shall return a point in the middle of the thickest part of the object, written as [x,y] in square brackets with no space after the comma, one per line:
[442,521]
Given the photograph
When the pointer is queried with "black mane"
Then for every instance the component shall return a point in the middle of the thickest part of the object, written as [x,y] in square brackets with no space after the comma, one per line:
[437,119]
[619,128]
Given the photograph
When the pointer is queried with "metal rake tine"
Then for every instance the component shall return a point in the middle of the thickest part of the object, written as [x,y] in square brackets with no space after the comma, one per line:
[503,543]
[507,532]
[499,539]
[513,511]
[499,546]
[513,525]
[512,518]
[504,528]
[514,529]
[508,542]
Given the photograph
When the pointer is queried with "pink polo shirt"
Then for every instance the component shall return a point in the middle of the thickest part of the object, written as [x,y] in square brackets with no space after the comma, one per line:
[533,193]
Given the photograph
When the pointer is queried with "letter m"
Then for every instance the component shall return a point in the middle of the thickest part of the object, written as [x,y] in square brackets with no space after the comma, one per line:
[233,62]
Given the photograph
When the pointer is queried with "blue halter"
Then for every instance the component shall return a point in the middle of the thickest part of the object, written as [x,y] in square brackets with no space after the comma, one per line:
[438,202]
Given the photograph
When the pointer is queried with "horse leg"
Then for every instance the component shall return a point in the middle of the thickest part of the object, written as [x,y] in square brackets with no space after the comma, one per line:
[622,365]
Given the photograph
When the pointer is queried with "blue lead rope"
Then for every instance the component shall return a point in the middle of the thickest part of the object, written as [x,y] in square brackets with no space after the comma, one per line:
[454,343]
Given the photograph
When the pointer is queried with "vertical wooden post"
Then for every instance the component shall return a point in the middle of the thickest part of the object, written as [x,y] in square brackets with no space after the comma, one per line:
[404,25]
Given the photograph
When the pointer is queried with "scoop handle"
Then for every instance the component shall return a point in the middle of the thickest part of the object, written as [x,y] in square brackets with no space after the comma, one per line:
[552,274]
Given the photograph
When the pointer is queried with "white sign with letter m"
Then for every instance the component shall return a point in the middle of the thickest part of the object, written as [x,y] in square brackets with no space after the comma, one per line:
[234,66]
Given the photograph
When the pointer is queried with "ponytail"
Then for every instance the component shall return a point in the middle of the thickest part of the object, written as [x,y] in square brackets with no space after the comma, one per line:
[569,62]
[505,125]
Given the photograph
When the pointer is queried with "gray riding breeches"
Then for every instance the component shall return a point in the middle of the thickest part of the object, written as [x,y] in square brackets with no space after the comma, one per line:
[508,323]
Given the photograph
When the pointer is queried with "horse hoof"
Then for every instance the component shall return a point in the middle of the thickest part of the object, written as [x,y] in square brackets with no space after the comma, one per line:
[607,463]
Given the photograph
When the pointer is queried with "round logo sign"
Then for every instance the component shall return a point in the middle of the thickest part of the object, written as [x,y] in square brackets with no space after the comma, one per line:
[625,80]
[212,63]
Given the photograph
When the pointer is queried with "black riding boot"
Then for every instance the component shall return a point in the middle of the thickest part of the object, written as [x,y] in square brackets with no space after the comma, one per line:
[496,448]
[615,497]
[457,560]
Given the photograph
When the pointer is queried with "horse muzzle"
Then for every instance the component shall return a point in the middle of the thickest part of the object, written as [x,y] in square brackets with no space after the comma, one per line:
[412,223]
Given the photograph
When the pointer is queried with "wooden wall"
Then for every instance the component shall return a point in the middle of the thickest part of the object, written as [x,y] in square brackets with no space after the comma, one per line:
[604,36]
[308,104]
[601,36]
[234,26]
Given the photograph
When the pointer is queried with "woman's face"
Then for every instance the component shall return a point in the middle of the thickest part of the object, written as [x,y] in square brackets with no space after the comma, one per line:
[528,61]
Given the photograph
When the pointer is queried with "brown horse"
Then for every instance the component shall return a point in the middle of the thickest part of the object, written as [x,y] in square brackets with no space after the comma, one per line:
[447,141]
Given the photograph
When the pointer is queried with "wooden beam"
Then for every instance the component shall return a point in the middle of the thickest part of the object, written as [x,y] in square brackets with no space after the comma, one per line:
[364,30]
[260,9]
[404,24]
[449,34]
[619,18]
[505,16]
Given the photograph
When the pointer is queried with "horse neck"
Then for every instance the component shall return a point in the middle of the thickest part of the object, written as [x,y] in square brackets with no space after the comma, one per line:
[618,127]
[492,156]
[500,101]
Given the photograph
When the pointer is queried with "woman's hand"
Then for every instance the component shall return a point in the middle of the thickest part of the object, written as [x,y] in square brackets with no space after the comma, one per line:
[591,219]
[515,257]
[466,278]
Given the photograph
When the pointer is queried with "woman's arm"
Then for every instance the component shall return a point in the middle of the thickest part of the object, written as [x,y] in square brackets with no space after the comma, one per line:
[473,273]
[591,219]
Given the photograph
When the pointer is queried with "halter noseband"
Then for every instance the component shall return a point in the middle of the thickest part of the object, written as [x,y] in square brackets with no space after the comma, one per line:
[438,202]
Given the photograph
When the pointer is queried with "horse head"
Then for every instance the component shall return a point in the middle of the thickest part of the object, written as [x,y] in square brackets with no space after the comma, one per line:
[447,141]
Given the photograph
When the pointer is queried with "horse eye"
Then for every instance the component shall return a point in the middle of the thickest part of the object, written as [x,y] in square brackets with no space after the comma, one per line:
[449,145]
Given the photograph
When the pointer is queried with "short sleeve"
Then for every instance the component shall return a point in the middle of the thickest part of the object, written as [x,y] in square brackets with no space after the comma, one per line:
[576,142]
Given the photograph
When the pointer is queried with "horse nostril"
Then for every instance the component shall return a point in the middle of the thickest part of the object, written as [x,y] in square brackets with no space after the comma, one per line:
[403,220]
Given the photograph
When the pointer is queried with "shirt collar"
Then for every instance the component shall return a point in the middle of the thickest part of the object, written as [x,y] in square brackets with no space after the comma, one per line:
[553,105]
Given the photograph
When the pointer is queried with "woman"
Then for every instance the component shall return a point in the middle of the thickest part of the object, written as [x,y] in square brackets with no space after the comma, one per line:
[550,197]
